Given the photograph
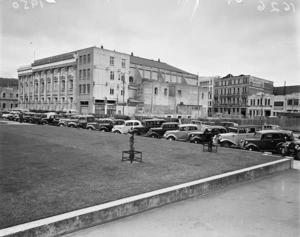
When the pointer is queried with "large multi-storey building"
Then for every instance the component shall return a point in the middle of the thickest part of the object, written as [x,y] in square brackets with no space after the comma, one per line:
[231,93]
[101,81]
[8,93]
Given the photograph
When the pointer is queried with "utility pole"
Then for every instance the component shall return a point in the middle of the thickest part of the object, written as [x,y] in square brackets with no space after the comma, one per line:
[123,80]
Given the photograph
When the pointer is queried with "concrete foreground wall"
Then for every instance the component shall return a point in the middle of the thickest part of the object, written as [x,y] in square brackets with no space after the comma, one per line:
[84,218]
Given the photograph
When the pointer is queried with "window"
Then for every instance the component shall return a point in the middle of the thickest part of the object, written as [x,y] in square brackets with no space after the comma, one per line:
[202,96]
[88,88]
[130,79]
[179,92]
[84,74]
[155,91]
[122,92]
[165,91]
[17,95]
[80,59]
[123,77]
[123,63]
[290,102]
[278,103]
[80,74]
[88,73]
[84,89]
[111,91]
[112,75]
[3,95]
[80,86]
[296,102]
[89,58]
[112,61]
[70,85]
[11,95]
[84,59]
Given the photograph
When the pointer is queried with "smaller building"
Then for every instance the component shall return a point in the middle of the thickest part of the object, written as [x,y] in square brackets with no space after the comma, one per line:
[8,93]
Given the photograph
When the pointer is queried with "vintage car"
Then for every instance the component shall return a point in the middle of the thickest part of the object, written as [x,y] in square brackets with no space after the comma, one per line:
[160,131]
[182,133]
[127,126]
[291,148]
[235,134]
[147,124]
[80,121]
[227,124]
[102,125]
[267,140]
[271,127]
[205,134]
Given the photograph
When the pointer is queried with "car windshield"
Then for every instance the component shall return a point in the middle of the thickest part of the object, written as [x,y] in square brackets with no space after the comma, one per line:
[234,130]
[257,135]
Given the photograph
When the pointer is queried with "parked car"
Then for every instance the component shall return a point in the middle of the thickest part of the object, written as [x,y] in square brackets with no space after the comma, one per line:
[127,126]
[147,124]
[63,121]
[205,134]
[267,140]
[11,115]
[235,134]
[37,118]
[291,148]
[227,125]
[182,133]
[271,127]
[118,121]
[4,114]
[102,125]
[159,132]
[80,121]
[27,116]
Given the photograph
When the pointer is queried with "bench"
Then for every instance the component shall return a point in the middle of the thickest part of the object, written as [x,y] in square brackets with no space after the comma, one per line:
[209,147]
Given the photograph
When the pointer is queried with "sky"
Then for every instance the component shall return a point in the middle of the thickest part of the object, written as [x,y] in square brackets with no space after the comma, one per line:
[205,37]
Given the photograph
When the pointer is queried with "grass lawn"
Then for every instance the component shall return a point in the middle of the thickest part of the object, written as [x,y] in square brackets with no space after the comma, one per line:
[45,170]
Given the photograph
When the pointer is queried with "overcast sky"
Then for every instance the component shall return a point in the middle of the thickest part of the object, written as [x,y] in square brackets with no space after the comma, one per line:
[208,37]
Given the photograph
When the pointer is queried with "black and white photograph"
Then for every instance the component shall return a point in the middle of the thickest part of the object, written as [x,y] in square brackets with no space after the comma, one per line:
[148,118]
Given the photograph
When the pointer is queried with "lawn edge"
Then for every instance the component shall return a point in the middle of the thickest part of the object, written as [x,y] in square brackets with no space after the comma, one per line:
[107,212]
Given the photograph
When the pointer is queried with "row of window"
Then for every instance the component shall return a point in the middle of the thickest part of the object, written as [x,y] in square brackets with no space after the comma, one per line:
[232,82]
[48,86]
[229,91]
[121,76]
[11,95]
[231,101]
[55,99]
[84,89]
[260,102]
[112,62]
[85,74]
[84,59]
[3,106]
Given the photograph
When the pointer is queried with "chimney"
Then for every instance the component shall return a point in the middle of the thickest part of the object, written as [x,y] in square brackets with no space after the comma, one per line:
[101,46]
[158,60]
[131,53]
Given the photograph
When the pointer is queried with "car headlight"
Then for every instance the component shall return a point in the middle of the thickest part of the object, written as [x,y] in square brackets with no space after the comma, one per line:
[246,142]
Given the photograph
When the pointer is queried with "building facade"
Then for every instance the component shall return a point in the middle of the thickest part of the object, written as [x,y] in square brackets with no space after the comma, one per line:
[209,82]
[8,93]
[100,81]
[282,100]
[231,93]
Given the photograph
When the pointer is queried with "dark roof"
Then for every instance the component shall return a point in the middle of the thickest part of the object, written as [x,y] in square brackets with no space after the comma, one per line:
[54,59]
[156,64]
[281,90]
[8,82]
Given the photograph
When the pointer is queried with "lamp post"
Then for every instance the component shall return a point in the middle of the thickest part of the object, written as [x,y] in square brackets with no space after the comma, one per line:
[123,81]
[261,107]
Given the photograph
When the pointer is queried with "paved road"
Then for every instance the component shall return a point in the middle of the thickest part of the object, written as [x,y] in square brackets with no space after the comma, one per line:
[264,207]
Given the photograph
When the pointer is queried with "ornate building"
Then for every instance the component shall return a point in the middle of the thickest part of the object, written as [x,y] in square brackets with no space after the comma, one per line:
[232,92]
[101,81]
[8,93]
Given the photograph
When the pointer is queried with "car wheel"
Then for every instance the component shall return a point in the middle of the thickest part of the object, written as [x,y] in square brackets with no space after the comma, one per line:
[117,132]
[278,150]
[102,130]
[89,128]
[153,136]
[71,126]
[251,148]
[170,138]
[61,125]
[225,144]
